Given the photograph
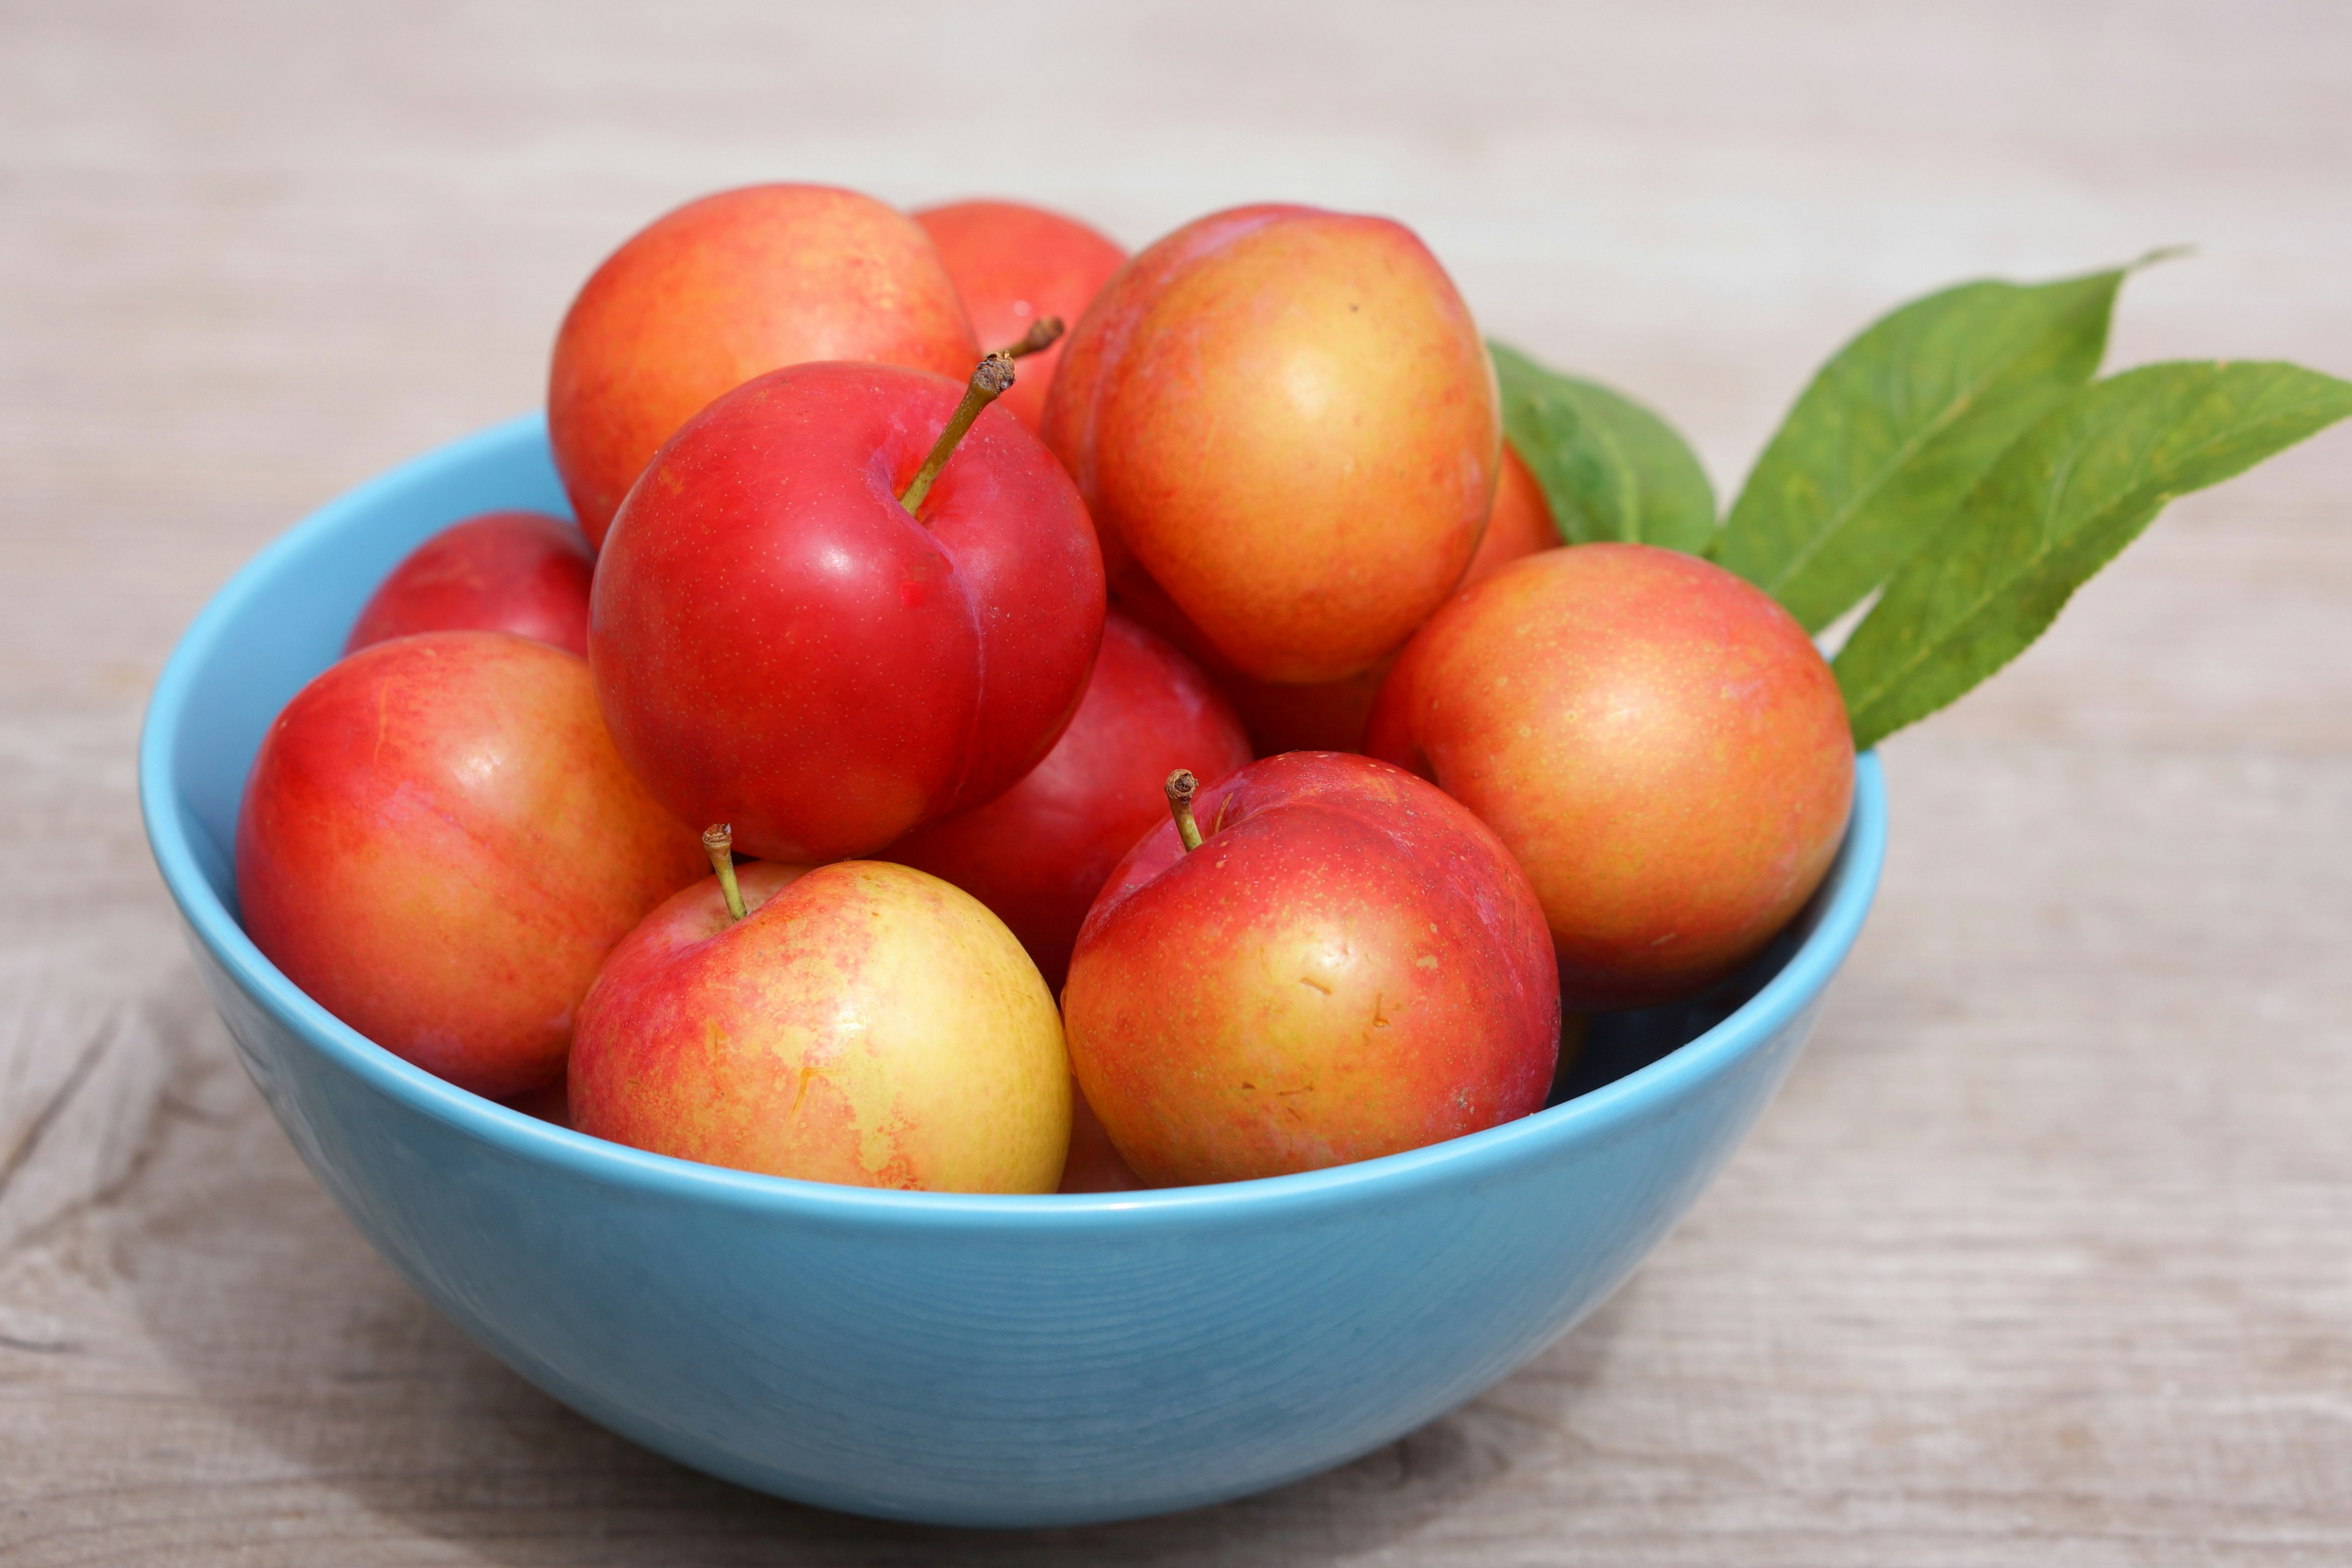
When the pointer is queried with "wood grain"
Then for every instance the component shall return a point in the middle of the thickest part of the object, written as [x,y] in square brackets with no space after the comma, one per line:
[2043,1256]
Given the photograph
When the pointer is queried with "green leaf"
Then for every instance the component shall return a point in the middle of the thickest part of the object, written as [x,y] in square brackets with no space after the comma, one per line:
[1898,425]
[2057,506]
[1609,468]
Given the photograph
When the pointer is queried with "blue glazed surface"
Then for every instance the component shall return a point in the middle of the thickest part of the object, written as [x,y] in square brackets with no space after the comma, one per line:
[987,1361]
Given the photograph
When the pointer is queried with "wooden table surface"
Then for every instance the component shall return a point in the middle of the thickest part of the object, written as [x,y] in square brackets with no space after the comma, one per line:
[2043,1256]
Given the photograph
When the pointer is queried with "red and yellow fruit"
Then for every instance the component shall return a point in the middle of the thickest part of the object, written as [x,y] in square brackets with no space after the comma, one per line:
[1660,744]
[1285,418]
[439,844]
[864,1023]
[725,289]
[1349,965]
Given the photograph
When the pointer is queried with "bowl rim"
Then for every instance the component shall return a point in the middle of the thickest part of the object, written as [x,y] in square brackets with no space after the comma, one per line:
[1593,1117]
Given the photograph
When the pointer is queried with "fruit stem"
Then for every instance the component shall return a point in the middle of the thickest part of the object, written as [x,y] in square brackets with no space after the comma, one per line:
[1181,785]
[1043,334]
[993,377]
[719,842]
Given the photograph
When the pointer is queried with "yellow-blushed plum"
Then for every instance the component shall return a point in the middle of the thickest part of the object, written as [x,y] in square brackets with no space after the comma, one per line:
[862,1023]
[1659,744]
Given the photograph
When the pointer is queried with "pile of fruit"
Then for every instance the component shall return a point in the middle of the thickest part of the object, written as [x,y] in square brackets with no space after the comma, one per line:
[968,656]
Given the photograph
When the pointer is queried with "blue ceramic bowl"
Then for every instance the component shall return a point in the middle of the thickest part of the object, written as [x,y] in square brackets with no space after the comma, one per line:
[985,1360]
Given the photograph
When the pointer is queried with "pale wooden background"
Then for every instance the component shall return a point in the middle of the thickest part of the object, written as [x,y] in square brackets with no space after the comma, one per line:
[2046,1254]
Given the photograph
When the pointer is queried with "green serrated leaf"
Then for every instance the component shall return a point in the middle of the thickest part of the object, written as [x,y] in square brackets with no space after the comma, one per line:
[1897,427]
[1610,468]
[2074,489]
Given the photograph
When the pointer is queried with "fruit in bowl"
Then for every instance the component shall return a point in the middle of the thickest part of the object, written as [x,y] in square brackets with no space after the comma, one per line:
[784,642]
[954,1358]
[1660,744]
[520,572]
[862,1023]
[438,842]
[1334,962]
[1284,416]
[722,289]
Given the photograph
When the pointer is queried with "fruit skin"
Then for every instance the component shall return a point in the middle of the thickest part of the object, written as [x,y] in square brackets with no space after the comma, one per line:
[1013,265]
[1332,715]
[1659,744]
[1348,966]
[1038,854]
[779,646]
[439,844]
[727,286]
[865,1024]
[1286,417]
[520,572]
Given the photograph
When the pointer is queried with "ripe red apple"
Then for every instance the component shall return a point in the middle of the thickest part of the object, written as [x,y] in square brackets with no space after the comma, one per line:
[1660,744]
[1285,418]
[703,299]
[1332,715]
[520,572]
[1349,965]
[863,1022]
[1037,854]
[779,644]
[439,845]
[1015,265]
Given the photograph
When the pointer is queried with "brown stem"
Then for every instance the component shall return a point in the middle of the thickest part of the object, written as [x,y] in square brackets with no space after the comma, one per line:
[1181,785]
[719,842]
[1043,334]
[992,377]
